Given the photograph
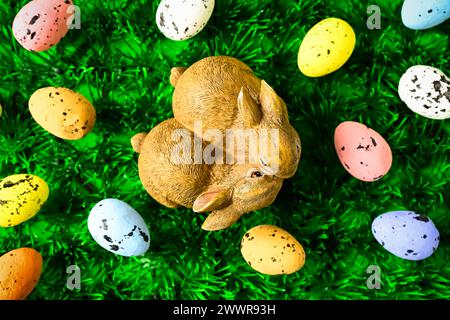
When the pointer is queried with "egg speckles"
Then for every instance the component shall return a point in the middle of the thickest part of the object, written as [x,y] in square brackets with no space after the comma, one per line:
[406,234]
[362,151]
[426,91]
[41,24]
[181,20]
[425,14]
[21,198]
[326,47]
[118,228]
[20,270]
[62,112]
[271,250]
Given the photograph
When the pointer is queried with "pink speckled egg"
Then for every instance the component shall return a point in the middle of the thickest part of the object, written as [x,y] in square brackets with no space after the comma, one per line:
[362,151]
[41,24]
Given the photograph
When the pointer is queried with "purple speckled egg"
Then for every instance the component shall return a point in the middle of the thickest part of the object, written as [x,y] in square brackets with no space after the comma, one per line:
[406,234]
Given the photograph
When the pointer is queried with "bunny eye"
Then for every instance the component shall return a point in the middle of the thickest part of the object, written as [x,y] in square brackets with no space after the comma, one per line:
[256,174]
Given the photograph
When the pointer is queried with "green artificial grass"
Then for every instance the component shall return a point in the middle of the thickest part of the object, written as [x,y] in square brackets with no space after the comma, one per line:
[121,62]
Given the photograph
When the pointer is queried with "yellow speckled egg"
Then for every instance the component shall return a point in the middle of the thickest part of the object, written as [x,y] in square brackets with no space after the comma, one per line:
[62,112]
[20,270]
[271,250]
[326,47]
[21,198]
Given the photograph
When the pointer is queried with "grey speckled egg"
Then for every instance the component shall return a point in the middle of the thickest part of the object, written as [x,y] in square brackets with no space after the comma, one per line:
[426,91]
[181,20]
[406,234]
[118,228]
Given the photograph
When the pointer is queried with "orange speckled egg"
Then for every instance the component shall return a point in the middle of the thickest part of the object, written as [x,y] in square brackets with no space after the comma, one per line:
[62,112]
[271,250]
[20,270]
[362,151]
[41,24]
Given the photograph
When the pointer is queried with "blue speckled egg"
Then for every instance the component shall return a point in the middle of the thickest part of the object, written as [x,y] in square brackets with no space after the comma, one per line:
[406,234]
[118,228]
[425,14]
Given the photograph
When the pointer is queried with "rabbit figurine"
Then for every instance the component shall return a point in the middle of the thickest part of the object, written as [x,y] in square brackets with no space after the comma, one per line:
[171,177]
[223,92]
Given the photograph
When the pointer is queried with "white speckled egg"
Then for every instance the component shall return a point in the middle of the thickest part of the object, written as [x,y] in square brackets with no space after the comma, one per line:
[426,91]
[406,234]
[118,228]
[181,20]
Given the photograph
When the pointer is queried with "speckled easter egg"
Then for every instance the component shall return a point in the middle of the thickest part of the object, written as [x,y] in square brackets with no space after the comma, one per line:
[425,14]
[426,91]
[41,24]
[326,47]
[62,112]
[406,234]
[118,228]
[271,250]
[181,20]
[362,151]
[21,198]
[20,270]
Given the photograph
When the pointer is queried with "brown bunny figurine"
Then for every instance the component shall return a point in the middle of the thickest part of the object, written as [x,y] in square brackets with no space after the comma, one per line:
[171,177]
[223,93]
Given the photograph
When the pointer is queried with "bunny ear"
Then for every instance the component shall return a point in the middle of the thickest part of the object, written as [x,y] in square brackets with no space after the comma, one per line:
[137,140]
[271,103]
[212,199]
[248,108]
[175,74]
[221,219]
